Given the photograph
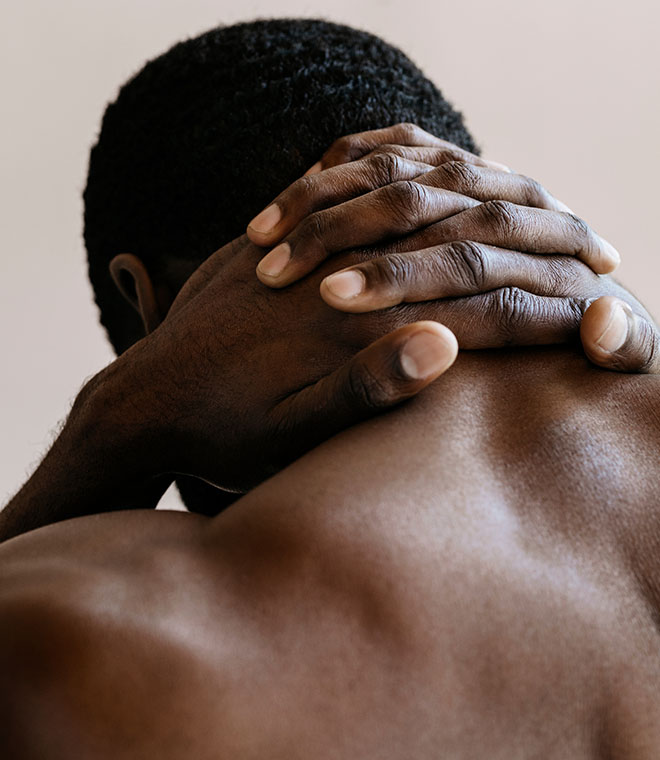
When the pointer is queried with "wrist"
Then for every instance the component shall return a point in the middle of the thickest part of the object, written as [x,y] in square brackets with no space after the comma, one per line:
[119,415]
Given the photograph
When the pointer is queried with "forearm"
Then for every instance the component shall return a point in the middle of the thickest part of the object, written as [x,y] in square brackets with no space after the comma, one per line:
[97,464]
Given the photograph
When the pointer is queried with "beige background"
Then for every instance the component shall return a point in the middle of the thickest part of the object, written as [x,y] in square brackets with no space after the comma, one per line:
[564,91]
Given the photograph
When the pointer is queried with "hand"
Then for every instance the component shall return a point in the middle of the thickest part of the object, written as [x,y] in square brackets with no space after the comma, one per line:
[531,285]
[249,378]
[405,140]
[236,382]
[453,202]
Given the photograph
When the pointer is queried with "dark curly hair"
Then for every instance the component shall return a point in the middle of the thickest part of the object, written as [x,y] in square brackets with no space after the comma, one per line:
[205,135]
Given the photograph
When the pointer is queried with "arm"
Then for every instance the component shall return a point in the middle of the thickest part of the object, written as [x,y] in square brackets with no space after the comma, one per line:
[188,398]
[191,397]
[100,461]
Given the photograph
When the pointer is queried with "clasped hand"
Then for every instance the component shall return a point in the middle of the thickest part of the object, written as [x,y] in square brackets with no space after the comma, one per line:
[393,235]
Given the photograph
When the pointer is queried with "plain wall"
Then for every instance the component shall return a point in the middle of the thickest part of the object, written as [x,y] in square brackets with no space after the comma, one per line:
[566,92]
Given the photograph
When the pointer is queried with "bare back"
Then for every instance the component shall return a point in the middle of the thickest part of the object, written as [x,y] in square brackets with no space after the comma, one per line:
[474,575]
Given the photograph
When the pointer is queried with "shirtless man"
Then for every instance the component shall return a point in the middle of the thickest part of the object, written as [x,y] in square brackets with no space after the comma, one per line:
[472,574]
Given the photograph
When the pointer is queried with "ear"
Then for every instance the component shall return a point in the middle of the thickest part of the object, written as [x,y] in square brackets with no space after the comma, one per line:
[150,299]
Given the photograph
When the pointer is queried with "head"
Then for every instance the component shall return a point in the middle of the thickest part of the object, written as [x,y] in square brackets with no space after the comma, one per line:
[205,135]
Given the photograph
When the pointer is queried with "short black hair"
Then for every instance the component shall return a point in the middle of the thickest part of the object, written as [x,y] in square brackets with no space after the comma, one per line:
[205,135]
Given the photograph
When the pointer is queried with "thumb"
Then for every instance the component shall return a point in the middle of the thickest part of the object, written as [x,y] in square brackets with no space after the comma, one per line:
[616,338]
[392,369]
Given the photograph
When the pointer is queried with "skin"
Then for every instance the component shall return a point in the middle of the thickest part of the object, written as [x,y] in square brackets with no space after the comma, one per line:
[190,398]
[310,609]
[403,588]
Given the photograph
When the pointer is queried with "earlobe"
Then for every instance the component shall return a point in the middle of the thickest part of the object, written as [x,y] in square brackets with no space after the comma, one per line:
[133,281]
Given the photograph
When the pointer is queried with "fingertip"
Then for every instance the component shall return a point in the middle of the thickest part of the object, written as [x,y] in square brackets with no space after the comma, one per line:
[428,352]
[270,269]
[264,223]
[344,291]
[609,259]
[345,285]
[605,328]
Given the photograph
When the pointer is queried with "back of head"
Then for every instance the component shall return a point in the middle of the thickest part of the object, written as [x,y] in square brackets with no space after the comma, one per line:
[205,135]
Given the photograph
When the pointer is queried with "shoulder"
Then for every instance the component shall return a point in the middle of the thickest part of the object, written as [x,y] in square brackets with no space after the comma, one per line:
[150,631]
[77,600]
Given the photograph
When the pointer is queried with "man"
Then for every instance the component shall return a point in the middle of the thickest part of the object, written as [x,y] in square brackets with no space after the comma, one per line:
[442,579]
[165,189]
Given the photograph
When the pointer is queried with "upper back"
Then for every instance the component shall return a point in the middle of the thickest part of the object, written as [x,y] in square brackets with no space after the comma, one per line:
[472,575]
[499,535]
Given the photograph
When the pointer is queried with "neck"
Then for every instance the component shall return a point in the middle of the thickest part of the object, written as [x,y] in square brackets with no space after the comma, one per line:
[539,434]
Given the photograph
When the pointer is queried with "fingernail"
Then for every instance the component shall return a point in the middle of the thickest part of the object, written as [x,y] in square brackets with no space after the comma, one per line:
[267,220]
[423,355]
[274,263]
[614,335]
[611,253]
[497,165]
[314,169]
[346,285]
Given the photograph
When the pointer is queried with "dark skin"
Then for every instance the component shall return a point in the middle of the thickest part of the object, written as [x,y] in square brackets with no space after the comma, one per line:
[394,156]
[137,424]
[440,577]
[343,554]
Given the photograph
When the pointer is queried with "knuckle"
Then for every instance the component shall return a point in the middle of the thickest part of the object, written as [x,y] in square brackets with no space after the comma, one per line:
[404,199]
[585,240]
[386,166]
[514,310]
[313,227]
[452,153]
[579,227]
[518,315]
[535,194]
[502,215]
[343,144]
[392,270]
[299,191]
[575,309]
[513,304]
[469,261]
[458,176]
[367,390]
[407,130]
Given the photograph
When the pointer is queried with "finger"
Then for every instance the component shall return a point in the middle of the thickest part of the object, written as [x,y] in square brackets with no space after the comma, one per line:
[530,230]
[385,165]
[507,316]
[352,147]
[485,184]
[438,155]
[402,207]
[392,369]
[389,211]
[315,192]
[453,270]
[616,338]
